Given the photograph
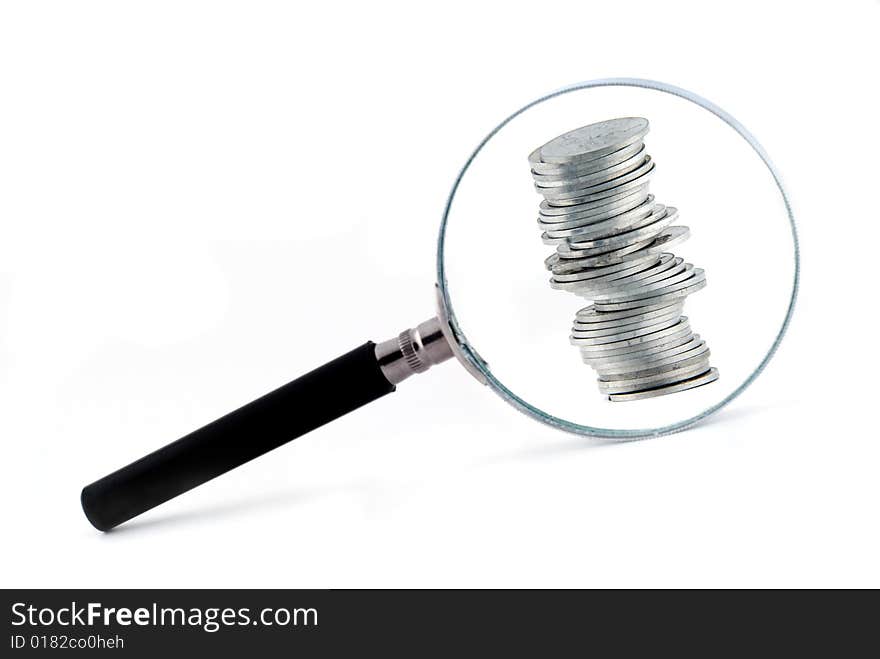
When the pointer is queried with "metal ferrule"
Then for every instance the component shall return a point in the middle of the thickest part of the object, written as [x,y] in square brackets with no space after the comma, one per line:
[413,351]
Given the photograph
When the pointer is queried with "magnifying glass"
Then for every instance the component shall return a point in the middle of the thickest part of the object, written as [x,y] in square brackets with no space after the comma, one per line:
[513,333]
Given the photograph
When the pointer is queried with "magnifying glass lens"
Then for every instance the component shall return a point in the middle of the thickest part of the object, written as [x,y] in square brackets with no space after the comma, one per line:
[574,194]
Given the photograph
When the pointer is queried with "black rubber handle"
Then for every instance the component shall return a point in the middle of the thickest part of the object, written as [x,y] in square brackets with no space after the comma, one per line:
[326,393]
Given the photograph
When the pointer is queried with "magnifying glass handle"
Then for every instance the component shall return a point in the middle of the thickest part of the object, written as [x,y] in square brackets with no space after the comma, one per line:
[329,392]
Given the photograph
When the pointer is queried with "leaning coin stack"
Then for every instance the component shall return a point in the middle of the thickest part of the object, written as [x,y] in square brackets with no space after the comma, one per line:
[611,241]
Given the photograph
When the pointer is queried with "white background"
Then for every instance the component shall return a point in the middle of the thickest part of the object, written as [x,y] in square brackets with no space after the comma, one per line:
[200,201]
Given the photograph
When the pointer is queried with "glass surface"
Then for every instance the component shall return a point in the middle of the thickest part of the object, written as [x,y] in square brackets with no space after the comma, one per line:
[514,328]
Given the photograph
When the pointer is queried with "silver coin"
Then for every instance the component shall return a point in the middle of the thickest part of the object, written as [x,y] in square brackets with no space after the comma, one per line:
[551,169]
[630,215]
[674,291]
[662,338]
[667,263]
[598,182]
[608,288]
[651,326]
[587,314]
[710,376]
[592,213]
[627,237]
[596,212]
[570,261]
[621,223]
[601,255]
[611,280]
[680,326]
[641,353]
[600,322]
[659,272]
[668,281]
[581,332]
[667,355]
[610,192]
[637,368]
[587,283]
[592,167]
[594,359]
[567,251]
[590,178]
[594,141]
[643,368]
[549,211]
[657,380]
[641,173]
[671,236]
[609,225]
[620,388]
[655,323]
[590,273]
[662,379]
[668,298]
[625,215]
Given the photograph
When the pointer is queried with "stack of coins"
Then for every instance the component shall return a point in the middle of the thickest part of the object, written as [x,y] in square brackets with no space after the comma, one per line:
[611,243]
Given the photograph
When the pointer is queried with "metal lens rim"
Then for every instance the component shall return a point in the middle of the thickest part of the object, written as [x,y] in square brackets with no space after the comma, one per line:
[472,356]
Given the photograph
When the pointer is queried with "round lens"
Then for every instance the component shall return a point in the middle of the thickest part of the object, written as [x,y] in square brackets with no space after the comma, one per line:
[627,181]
